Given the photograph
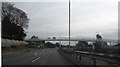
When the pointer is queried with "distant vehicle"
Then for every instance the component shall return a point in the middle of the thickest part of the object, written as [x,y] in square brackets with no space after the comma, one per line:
[49,38]
[54,37]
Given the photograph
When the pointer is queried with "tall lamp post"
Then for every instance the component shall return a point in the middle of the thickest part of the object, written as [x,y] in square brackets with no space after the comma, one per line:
[69,23]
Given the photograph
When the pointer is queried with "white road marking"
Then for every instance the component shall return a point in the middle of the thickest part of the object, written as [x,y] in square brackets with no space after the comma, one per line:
[35,59]
[101,54]
[111,55]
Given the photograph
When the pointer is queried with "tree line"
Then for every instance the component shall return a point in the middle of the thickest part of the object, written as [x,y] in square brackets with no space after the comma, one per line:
[14,22]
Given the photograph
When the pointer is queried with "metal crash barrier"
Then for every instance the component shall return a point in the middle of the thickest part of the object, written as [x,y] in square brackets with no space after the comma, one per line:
[94,56]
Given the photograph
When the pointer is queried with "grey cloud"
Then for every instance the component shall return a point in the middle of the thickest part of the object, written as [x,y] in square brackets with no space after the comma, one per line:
[51,18]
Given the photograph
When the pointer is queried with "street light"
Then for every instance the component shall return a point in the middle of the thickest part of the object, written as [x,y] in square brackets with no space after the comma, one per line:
[69,23]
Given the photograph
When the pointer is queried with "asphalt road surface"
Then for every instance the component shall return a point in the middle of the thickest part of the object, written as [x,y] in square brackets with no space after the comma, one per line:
[49,56]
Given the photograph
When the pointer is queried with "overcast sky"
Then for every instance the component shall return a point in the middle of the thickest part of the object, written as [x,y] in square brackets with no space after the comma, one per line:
[48,19]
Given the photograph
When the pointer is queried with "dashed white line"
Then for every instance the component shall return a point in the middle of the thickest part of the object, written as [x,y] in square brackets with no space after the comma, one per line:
[101,54]
[111,55]
[35,59]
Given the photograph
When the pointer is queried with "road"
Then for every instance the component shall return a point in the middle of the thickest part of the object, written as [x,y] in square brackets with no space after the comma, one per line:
[49,56]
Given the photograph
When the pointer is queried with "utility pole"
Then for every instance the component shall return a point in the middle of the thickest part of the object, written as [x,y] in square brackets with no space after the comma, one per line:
[69,23]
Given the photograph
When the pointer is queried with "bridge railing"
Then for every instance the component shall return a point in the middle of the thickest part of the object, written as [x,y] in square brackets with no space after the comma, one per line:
[111,59]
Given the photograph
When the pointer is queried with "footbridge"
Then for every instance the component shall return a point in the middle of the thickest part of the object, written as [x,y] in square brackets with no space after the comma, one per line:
[73,39]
